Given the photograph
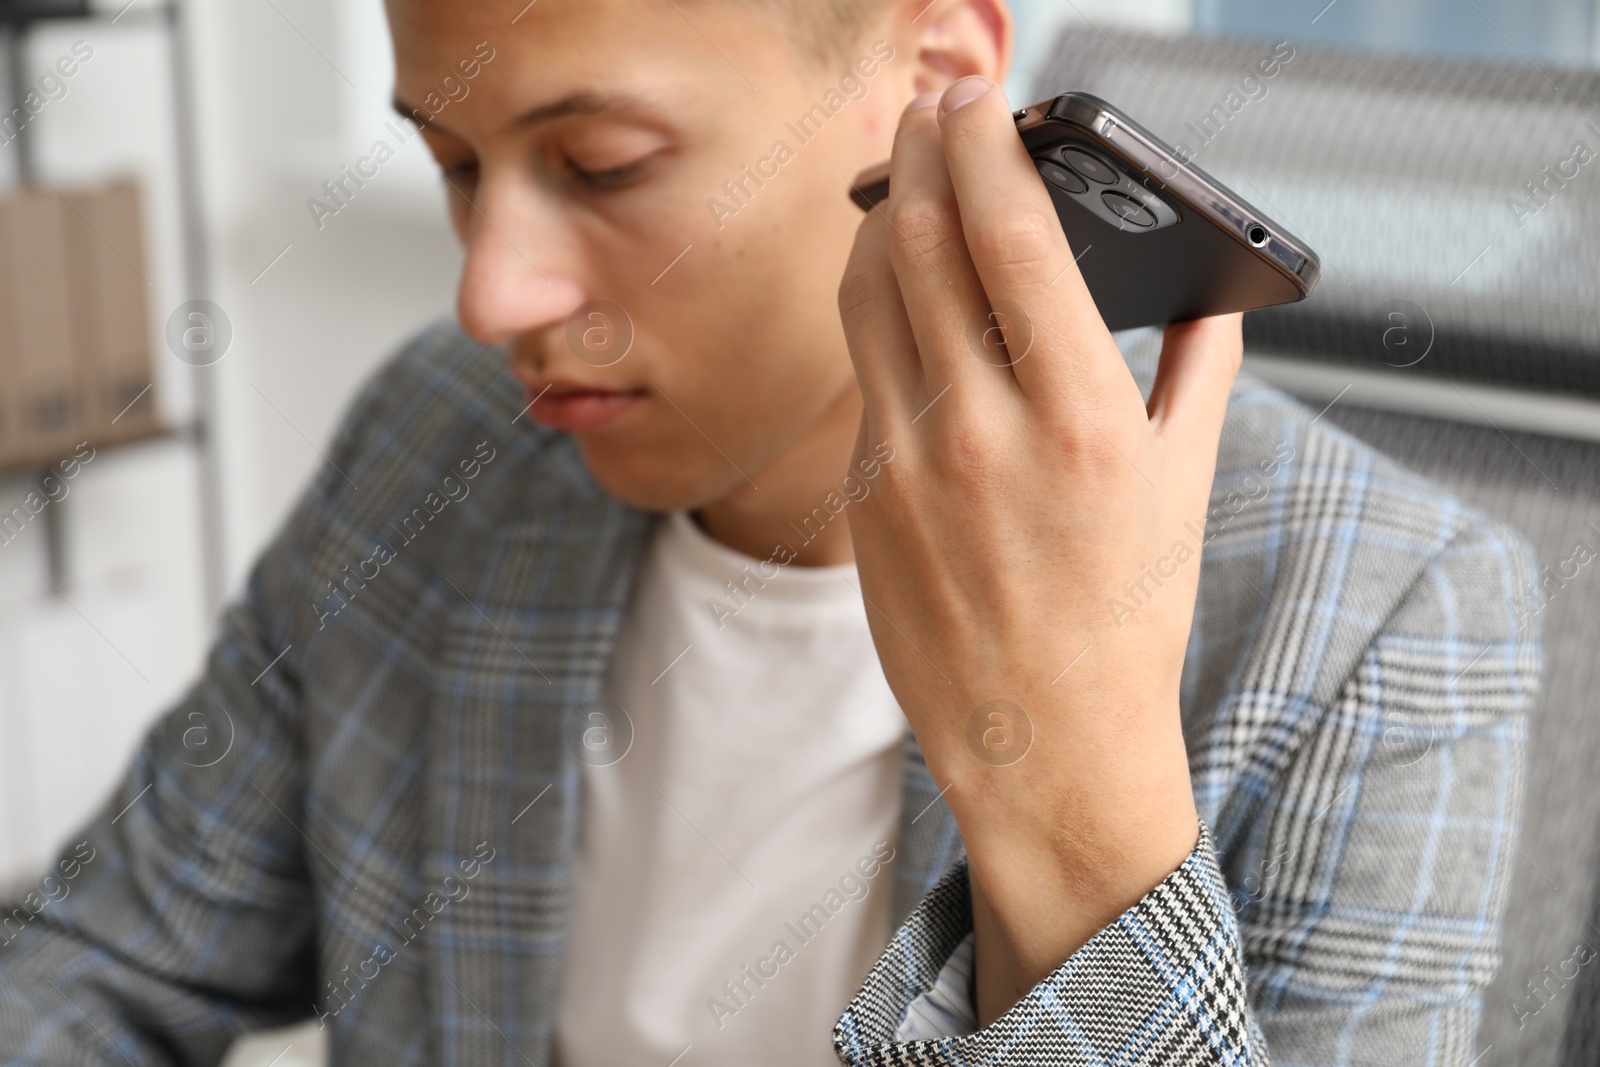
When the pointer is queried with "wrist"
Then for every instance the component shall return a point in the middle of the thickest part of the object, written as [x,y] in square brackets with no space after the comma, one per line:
[1063,841]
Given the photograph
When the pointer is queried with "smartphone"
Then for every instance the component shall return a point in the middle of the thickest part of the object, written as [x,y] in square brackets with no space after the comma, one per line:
[1157,239]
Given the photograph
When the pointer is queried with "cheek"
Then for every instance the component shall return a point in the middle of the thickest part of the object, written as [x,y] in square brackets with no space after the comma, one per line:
[742,334]
[742,392]
[460,211]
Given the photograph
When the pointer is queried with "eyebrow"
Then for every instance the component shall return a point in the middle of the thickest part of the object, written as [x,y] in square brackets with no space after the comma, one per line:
[579,103]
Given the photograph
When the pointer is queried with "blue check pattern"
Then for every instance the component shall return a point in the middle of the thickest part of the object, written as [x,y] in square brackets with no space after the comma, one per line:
[1355,699]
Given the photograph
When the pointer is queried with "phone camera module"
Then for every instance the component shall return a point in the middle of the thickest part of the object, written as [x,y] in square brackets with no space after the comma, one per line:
[1128,209]
[1090,166]
[1061,177]
[1257,235]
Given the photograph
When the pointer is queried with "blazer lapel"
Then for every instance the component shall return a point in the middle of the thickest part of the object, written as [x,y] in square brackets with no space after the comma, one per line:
[531,612]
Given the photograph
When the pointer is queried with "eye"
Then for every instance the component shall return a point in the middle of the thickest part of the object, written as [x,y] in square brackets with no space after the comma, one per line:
[612,178]
[460,173]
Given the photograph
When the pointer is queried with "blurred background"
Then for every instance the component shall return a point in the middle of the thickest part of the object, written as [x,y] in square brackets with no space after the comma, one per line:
[229,116]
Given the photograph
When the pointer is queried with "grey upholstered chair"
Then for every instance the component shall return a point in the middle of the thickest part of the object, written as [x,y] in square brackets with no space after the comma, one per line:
[1458,220]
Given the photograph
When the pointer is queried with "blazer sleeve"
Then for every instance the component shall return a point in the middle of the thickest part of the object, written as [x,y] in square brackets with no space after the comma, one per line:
[184,913]
[189,916]
[1162,984]
[1362,920]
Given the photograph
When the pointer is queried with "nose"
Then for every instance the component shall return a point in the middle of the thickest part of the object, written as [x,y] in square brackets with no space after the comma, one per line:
[516,279]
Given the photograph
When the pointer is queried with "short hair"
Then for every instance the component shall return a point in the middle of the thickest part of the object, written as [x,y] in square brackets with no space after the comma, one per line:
[823,30]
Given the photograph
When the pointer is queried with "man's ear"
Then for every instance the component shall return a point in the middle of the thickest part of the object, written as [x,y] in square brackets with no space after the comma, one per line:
[950,39]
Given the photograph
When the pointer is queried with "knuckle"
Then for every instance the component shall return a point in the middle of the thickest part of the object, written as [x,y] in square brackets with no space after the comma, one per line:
[969,451]
[1085,439]
[1021,242]
[922,223]
[865,284]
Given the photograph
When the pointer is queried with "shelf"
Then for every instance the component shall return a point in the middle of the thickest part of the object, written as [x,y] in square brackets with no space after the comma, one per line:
[18,18]
[16,14]
[43,464]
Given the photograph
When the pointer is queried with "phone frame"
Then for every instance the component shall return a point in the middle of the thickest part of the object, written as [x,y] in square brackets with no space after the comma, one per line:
[1151,160]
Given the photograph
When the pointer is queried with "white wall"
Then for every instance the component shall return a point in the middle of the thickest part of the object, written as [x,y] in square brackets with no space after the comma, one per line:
[81,675]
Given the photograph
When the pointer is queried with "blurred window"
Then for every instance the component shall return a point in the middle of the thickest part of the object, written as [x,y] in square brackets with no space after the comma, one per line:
[1553,31]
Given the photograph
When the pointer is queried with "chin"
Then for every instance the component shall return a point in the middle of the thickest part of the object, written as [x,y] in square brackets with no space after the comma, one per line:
[661,479]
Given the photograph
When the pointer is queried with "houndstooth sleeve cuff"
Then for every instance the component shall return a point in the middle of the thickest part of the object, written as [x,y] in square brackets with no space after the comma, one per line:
[1162,984]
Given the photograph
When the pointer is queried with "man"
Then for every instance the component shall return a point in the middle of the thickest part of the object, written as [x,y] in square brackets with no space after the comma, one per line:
[519,771]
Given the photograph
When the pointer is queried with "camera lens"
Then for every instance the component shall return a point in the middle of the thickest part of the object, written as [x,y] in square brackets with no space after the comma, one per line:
[1128,209]
[1090,166]
[1060,176]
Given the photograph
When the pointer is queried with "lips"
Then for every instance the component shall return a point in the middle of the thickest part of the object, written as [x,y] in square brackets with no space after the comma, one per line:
[579,408]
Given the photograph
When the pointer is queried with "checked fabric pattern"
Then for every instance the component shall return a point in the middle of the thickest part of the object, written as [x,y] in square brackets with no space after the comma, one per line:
[1166,961]
[1355,708]
[1354,702]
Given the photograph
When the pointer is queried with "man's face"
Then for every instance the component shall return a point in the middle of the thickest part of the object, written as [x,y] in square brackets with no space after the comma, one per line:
[586,160]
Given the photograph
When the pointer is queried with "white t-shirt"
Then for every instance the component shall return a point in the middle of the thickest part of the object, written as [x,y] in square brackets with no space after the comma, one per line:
[735,865]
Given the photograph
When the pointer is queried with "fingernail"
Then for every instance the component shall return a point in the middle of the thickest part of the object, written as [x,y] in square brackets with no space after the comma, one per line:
[964,91]
[922,100]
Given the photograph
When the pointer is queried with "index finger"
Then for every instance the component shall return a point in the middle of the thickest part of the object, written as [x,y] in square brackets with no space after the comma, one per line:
[1019,250]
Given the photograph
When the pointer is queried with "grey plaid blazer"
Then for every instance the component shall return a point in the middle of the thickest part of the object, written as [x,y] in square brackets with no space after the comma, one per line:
[367,809]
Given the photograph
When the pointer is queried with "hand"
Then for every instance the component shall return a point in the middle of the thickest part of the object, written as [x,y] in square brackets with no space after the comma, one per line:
[1023,500]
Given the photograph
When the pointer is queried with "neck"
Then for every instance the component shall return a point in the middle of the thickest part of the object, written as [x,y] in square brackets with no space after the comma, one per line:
[789,508]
